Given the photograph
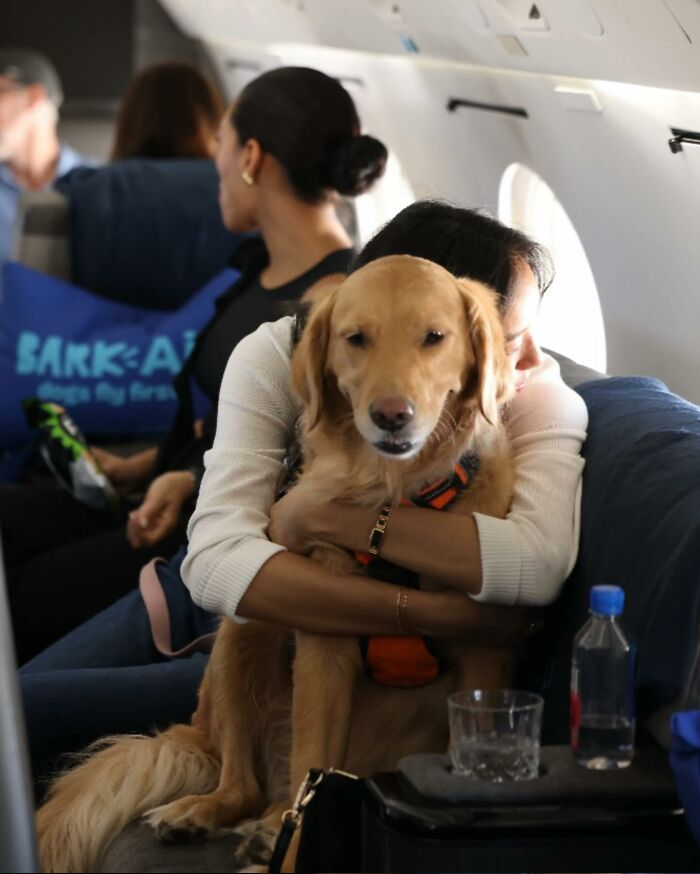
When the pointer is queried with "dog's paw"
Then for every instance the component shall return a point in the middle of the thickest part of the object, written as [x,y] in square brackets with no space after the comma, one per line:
[256,846]
[187,820]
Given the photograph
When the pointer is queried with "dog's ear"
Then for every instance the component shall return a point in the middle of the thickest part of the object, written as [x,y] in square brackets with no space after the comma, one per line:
[495,383]
[309,358]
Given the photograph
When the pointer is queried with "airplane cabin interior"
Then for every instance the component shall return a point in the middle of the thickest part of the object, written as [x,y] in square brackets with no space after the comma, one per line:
[575,122]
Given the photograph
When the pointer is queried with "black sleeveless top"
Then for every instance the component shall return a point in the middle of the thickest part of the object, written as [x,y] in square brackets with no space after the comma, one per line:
[239,312]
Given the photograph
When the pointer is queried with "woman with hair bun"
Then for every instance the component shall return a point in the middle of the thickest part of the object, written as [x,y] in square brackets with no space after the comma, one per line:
[291,142]
[307,122]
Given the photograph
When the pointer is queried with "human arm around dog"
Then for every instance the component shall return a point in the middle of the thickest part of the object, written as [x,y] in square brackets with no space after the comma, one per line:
[234,569]
[527,557]
[523,559]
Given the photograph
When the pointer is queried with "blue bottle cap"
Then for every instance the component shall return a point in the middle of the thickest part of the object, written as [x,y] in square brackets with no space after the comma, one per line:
[607,600]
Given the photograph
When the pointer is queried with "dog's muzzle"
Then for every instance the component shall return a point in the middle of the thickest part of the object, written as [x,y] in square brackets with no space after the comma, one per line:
[394,446]
[393,416]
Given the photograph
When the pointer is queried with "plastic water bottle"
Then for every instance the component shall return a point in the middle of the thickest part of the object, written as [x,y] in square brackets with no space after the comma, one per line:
[602,686]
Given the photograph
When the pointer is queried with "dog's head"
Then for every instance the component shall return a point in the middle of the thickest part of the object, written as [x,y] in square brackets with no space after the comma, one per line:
[410,349]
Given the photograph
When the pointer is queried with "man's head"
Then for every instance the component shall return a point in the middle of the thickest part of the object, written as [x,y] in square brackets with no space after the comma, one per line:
[30,94]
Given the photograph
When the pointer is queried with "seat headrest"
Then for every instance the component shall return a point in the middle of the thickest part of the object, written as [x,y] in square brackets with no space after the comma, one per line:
[146,232]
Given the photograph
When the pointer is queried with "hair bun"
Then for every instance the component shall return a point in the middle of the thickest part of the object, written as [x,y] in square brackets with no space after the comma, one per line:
[352,166]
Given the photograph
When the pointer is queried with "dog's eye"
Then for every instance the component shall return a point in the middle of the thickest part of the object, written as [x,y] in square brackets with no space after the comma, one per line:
[432,338]
[358,339]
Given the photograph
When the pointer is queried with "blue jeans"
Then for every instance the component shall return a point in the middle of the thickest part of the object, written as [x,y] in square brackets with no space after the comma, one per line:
[106,677]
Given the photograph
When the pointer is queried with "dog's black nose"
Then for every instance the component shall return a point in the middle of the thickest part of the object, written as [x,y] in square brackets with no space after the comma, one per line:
[391,414]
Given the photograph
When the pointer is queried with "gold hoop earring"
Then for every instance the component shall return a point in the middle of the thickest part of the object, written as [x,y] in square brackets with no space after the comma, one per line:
[247,178]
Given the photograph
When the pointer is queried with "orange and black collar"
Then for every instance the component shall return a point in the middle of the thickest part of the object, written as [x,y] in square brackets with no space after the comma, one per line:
[440,494]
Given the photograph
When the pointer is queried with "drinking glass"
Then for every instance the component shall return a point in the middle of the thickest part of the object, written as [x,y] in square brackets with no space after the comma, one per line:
[495,734]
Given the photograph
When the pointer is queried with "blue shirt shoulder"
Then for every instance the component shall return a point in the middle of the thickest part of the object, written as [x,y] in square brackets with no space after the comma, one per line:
[10,192]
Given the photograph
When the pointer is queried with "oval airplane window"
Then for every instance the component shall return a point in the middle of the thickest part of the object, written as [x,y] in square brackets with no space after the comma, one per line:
[571,320]
[388,195]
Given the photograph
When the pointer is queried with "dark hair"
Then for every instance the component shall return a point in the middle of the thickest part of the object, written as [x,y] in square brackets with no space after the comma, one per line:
[464,241]
[308,121]
[170,110]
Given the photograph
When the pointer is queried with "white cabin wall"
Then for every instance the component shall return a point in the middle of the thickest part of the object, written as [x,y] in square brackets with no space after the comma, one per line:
[633,203]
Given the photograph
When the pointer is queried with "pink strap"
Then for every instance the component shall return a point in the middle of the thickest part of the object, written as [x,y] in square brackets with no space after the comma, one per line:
[159,615]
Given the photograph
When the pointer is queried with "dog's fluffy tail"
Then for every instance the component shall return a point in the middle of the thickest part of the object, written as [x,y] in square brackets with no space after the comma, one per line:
[88,806]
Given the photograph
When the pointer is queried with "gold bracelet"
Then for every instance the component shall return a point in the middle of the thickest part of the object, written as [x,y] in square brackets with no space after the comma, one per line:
[401,604]
[376,534]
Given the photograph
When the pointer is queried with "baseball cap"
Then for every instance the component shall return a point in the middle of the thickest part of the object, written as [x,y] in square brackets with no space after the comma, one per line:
[27,67]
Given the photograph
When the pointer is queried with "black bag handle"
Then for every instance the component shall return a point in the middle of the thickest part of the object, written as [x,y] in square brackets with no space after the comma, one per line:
[291,819]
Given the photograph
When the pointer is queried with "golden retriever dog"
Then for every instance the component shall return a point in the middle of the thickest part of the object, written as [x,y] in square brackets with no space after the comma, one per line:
[401,371]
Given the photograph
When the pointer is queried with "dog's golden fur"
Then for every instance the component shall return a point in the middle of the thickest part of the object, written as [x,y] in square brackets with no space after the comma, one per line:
[399,328]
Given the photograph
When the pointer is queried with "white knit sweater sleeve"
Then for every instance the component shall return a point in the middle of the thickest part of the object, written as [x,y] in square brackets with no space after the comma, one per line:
[526,557]
[227,533]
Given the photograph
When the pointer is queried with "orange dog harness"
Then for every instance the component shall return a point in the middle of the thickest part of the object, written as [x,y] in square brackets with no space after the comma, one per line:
[411,661]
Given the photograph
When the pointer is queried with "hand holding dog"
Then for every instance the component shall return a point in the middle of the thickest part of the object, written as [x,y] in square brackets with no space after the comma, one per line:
[288,522]
[161,508]
[455,614]
[298,521]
